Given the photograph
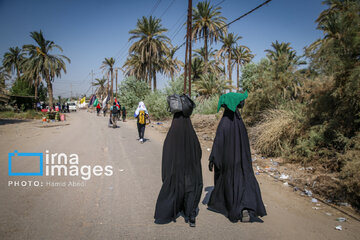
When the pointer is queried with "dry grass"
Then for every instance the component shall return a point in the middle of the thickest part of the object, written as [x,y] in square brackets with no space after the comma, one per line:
[30,114]
[275,132]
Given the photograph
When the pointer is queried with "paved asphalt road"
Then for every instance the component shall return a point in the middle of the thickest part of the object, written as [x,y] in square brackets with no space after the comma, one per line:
[121,206]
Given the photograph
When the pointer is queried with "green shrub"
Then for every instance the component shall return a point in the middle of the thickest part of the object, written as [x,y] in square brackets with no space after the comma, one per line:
[132,91]
[207,106]
[175,87]
[156,104]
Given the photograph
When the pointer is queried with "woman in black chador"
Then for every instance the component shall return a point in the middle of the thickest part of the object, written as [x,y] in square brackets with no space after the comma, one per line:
[236,193]
[181,173]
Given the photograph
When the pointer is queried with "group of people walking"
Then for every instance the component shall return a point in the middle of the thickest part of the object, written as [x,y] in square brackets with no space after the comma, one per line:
[236,193]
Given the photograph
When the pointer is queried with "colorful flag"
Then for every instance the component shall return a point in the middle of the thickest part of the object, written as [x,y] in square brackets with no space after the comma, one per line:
[82,100]
[92,99]
[96,102]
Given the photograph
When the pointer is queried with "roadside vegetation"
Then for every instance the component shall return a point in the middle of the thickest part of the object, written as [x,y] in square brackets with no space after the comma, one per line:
[29,114]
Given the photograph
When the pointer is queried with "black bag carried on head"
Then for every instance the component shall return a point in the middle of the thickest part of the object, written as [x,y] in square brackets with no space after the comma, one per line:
[174,103]
[188,105]
[181,103]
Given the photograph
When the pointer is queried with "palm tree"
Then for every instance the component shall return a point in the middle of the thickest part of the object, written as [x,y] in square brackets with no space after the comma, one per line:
[100,83]
[135,67]
[210,84]
[171,65]
[13,59]
[229,42]
[108,66]
[283,60]
[241,55]
[197,68]
[213,64]
[32,74]
[152,44]
[49,65]
[3,77]
[283,57]
[208,24]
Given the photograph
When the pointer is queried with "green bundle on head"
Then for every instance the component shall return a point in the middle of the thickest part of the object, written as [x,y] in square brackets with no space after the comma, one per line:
[232,100]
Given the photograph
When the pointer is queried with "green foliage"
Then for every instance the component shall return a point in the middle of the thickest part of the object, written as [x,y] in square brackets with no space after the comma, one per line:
[22,88]
[251,74]
[175,87]
[317,109]
[157,105]
[210,84]
[207,106]
[337,57]
[132,91]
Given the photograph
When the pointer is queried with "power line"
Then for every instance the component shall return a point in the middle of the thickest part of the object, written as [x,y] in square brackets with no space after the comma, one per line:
[235,20]
[183,25]
[154,7]
[167,8]
[254,9]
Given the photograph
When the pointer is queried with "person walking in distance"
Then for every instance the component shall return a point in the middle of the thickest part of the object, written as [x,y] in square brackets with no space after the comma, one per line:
[141,114]
[123,112]
[114,111]
[98,108]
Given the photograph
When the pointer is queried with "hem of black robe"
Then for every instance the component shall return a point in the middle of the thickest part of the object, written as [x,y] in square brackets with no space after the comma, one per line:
[168,220]
[253,216]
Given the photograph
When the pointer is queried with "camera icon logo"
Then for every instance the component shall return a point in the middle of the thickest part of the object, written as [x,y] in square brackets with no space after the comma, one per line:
[17,159]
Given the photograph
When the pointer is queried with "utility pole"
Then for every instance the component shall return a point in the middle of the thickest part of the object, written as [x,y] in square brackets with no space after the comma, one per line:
[92,81]
[190,43]
[187,72]
[70,91]
[116,87]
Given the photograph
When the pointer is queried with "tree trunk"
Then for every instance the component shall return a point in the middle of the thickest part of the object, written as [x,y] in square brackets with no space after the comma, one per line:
[237,76]
[229,67]
[154,76]
[17,72]
[50,91]
[112,87]
[149,75]
[206,51]
[36,91]
[37,82]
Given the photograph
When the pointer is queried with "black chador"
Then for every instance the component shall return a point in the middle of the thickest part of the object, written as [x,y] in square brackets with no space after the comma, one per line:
[181,173]
[236,193]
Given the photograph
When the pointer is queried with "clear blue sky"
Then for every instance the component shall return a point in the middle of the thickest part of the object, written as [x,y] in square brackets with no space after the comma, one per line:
[88,31]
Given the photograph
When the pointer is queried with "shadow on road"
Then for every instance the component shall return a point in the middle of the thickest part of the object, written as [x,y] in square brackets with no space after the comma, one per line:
[11,121]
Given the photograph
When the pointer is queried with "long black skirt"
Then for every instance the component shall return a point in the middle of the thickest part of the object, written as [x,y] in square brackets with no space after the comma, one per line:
[236,188]
[181,172]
